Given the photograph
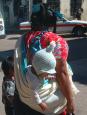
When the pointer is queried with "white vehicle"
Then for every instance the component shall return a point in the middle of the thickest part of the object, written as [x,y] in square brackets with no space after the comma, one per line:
[2,26]
[63,25]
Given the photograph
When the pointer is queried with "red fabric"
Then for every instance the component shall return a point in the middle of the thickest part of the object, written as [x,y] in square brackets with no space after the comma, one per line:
[61,49]
[63,113]
[31,35]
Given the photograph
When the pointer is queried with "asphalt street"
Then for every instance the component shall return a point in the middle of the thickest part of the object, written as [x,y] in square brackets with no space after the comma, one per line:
[77,59]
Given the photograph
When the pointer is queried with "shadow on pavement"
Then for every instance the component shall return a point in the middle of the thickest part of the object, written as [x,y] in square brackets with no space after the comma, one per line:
[77,49]
[13,38]
[69,35]
[2,37]
[78,59]
[80,71]
[4,54]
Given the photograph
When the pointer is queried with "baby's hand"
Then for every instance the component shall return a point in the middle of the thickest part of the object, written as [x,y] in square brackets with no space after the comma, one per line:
[43,106]
[51,77]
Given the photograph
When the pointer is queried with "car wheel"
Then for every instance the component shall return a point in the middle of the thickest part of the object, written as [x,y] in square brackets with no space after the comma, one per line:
[78,31]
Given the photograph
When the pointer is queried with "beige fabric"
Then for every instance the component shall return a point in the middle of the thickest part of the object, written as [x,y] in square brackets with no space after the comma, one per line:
[26,94]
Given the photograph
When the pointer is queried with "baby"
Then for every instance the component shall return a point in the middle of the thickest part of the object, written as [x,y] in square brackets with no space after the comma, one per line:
[42,77]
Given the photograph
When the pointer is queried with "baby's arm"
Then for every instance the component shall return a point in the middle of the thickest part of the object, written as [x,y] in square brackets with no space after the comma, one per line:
[42,105]
[10,90]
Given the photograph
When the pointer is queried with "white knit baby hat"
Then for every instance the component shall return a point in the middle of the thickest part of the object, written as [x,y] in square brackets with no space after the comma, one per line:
[44,60]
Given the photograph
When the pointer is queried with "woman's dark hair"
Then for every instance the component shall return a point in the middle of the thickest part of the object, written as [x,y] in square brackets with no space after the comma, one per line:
[38,19]
[7,65]
[43,18]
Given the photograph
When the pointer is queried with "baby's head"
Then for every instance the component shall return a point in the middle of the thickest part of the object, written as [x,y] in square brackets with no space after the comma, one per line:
[44,61]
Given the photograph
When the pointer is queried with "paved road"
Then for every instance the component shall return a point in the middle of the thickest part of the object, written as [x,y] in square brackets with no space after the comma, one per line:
[77,59]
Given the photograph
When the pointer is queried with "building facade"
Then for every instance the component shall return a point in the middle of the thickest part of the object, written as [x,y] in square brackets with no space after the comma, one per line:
[16,11]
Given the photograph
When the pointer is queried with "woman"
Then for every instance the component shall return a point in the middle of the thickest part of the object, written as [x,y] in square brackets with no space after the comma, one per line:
[35,40]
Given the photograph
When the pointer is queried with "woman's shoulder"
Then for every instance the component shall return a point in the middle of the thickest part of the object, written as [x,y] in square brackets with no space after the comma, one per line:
[53,36]
[49,37]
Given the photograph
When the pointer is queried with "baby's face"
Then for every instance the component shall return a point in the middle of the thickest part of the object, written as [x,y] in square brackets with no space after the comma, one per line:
[43,75]
[46,75]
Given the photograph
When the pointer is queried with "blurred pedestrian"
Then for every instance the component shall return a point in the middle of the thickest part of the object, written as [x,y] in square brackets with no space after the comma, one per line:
[39,7]
[8,85]
[79,13]
[51,19]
